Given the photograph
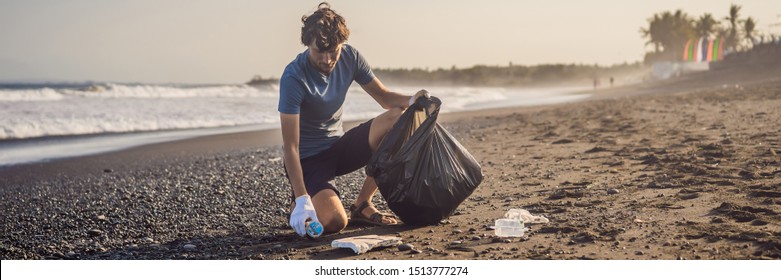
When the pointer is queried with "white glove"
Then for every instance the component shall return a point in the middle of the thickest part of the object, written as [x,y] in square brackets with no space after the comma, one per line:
[304,210]
[421,93]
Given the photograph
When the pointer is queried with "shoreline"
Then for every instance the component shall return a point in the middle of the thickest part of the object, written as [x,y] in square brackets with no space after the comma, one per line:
[244,131]
[685,169]
[17,151]
[203,140]
[170,151]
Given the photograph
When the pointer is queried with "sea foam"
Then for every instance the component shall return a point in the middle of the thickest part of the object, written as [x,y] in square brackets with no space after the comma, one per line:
[121,108]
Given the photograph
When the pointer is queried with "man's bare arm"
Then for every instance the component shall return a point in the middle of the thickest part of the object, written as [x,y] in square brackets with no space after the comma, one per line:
[386,98]
[290,138]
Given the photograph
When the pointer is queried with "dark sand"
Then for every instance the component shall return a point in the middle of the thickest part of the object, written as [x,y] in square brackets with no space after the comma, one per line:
[681,169]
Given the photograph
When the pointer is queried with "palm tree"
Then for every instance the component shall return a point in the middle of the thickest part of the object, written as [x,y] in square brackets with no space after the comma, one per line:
[670,31]
[705,25]
[732,36]
[653,33]
[681,29]
[748,30]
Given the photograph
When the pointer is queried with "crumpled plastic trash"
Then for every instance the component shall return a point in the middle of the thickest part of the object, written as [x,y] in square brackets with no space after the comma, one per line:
[421,170]
[364,243]
[509,228]
[525,216]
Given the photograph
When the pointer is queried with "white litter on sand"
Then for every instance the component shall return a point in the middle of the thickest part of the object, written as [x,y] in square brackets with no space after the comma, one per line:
[362,244]
[525,216]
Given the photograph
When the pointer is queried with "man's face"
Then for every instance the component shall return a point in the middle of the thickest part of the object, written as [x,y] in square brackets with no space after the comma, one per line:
[324,61]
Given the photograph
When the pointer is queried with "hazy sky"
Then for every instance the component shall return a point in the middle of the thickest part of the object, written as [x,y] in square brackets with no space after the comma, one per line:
[192,41]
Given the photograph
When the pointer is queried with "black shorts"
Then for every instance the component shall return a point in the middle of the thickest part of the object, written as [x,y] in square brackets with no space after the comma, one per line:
[349,153]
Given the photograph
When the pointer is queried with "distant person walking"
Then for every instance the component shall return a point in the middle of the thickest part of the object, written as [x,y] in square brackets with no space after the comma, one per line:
[611,81]
[312,91]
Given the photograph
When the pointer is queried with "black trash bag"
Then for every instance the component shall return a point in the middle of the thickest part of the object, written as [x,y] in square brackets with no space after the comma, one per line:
[421,170]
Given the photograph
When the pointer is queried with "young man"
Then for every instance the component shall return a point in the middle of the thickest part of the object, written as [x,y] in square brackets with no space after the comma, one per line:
[312,91]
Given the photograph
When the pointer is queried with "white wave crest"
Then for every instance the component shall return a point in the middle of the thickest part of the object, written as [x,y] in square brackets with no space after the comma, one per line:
[115,108]
[43,94]
[156,91]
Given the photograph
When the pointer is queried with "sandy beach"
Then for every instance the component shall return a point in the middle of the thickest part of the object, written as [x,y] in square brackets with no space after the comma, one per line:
[688,168]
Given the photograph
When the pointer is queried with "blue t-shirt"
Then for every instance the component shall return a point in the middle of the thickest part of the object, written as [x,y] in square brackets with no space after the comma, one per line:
[318,98]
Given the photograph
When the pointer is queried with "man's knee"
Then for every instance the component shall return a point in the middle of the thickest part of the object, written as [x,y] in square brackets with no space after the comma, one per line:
[334,223]
[381,125]
[392,115]
[396,113]
[330,212]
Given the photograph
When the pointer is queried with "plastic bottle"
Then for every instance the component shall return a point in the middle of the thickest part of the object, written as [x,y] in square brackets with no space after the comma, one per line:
[509,228]
[313,228]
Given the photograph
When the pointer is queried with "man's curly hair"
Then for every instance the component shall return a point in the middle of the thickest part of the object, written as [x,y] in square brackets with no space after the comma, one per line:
[325,27]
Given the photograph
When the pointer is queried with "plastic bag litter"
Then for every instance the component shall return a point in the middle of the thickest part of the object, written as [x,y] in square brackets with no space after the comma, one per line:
[525,216]
[421,170]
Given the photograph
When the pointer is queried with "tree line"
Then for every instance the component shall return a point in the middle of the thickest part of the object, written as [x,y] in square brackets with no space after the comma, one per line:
[668,32]
[510,75]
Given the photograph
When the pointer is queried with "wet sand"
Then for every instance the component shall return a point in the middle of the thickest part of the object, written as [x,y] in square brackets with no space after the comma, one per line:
[681,169]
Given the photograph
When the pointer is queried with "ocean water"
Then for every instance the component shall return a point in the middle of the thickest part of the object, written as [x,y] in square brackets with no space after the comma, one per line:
[48,121]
